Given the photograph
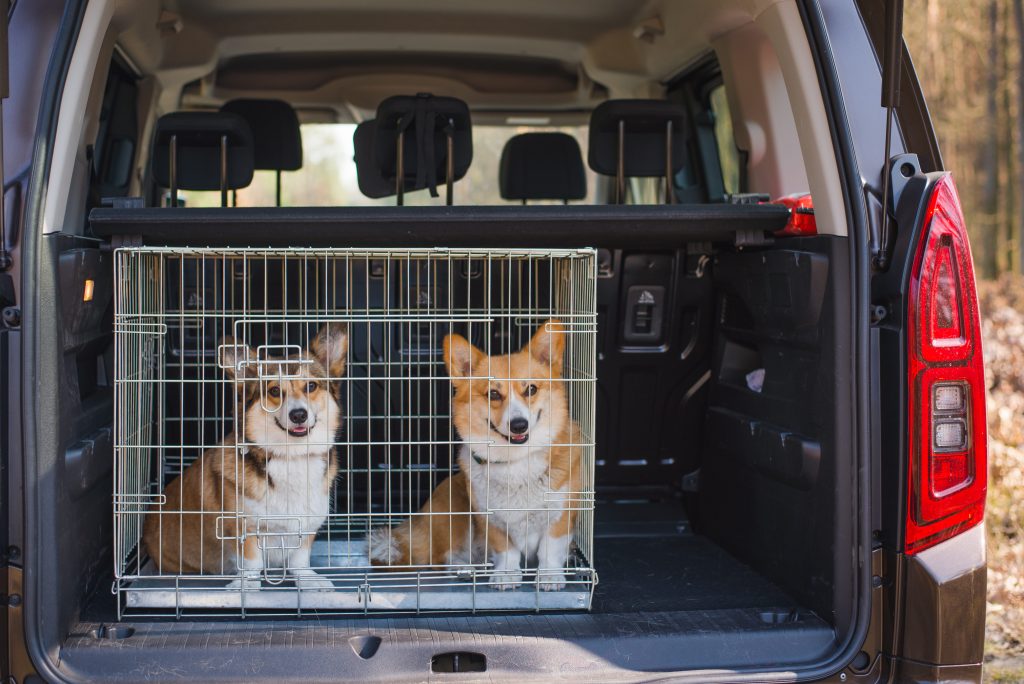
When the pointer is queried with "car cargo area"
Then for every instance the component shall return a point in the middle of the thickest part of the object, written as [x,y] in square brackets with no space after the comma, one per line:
[724,535]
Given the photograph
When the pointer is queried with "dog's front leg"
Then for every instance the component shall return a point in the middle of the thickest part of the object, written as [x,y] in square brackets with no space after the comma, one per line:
[508,573]
[250,565]
[553,554]
[299,567]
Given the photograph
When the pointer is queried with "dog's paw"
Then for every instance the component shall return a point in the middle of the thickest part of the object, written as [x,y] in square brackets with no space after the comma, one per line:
[551,580]
[506,580]
[313,582]
[245,584]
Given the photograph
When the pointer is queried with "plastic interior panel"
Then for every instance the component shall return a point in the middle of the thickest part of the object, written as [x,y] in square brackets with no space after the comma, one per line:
[767,477]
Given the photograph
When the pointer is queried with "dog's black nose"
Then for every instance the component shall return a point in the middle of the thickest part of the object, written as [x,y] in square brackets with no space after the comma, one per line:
[519,425]
[298,416]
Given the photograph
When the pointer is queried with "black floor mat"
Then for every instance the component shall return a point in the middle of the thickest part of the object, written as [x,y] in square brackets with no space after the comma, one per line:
[681,572]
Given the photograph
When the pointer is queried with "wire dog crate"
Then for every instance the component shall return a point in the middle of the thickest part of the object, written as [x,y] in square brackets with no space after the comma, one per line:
[351,431]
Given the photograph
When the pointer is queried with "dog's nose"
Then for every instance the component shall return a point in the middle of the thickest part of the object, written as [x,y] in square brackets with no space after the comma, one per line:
[298,416]
[519,425]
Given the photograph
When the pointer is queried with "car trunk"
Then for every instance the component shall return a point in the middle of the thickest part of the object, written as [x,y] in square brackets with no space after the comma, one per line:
[723,458]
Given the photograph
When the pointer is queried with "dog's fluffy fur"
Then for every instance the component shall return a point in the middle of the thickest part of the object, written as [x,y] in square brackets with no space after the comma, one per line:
[513,493]
[278,475]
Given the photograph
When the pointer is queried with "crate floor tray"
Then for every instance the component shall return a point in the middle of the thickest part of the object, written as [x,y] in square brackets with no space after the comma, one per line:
[358,589]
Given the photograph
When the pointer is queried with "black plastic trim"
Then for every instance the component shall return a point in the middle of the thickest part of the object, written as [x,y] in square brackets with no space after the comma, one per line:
[505,226]
[38,284]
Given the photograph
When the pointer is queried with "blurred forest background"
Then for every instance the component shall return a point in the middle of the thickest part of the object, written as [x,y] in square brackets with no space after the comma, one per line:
[968,57]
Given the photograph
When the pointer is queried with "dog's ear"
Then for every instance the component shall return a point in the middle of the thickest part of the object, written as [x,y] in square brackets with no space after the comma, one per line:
[235,358]
[547,346]
[460,356]
[330,347]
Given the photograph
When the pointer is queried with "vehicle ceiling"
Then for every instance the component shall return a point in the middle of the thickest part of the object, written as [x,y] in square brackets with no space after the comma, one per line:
[335,60]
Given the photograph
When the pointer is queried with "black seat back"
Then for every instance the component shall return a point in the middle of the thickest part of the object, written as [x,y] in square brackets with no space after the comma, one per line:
[542,166]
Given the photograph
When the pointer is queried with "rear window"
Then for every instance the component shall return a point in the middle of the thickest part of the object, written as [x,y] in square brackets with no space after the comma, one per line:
[728,154]
[328,173]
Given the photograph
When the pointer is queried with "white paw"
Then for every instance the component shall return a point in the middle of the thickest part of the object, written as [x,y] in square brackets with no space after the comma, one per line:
[245,584]
[503,580]
[314,582]
[551,580]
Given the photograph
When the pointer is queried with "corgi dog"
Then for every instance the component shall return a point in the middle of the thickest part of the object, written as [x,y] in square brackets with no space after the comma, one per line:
[267,484]
[511,501]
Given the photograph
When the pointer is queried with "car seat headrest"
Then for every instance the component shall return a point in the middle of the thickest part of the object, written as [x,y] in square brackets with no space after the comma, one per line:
[637,138]
[372,182]
[277,138]
[428,127]
[542,166]
[198,138]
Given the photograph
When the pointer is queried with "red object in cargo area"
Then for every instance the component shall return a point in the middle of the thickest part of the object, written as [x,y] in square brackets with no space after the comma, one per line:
[801,215]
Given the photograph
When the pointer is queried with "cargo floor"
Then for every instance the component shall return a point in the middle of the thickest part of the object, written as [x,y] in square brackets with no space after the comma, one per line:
[647,560]
[680,600]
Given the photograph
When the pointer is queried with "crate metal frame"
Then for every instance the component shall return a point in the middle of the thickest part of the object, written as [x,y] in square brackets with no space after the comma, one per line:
[173,402]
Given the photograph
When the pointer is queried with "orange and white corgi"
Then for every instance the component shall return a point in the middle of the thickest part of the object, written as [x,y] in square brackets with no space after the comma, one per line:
[512,499]
[275,476]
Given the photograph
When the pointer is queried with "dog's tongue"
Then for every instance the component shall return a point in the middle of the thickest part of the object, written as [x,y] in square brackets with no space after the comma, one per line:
[519,439]
[298,431]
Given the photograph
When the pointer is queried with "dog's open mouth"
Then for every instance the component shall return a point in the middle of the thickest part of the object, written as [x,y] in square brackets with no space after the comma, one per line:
[513,438]
[298,431]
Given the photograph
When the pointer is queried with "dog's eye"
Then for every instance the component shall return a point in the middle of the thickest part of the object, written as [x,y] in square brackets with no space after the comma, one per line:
[311,387]
[495,395]
[274,391]
[530,390]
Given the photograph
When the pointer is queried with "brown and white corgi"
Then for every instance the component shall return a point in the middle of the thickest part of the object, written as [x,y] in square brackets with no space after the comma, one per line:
[512,499]
[274,478]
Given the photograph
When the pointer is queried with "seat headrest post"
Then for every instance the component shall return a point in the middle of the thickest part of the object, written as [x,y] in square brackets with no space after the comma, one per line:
[449,166]
[400,168]
[223,170]
[669,195]
[620,166]
[173,171]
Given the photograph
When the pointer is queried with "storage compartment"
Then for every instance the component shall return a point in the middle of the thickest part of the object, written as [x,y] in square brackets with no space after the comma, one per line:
[284,416]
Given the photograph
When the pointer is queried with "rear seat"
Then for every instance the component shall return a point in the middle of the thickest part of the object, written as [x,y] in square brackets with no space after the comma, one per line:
[212,151]
[542,166]
[277,138]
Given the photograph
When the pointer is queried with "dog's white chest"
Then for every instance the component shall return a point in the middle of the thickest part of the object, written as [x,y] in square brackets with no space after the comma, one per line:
[295,498]
[519,496]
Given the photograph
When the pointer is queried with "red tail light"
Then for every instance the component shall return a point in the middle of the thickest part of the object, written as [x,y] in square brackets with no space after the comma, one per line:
[948,447]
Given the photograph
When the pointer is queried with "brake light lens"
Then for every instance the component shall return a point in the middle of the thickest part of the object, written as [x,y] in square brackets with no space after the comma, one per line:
[948,438]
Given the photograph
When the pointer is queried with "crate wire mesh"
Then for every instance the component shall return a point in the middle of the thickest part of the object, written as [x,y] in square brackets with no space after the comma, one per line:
[187,320]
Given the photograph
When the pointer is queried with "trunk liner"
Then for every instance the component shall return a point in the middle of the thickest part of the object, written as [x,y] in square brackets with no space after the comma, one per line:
[679,573]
